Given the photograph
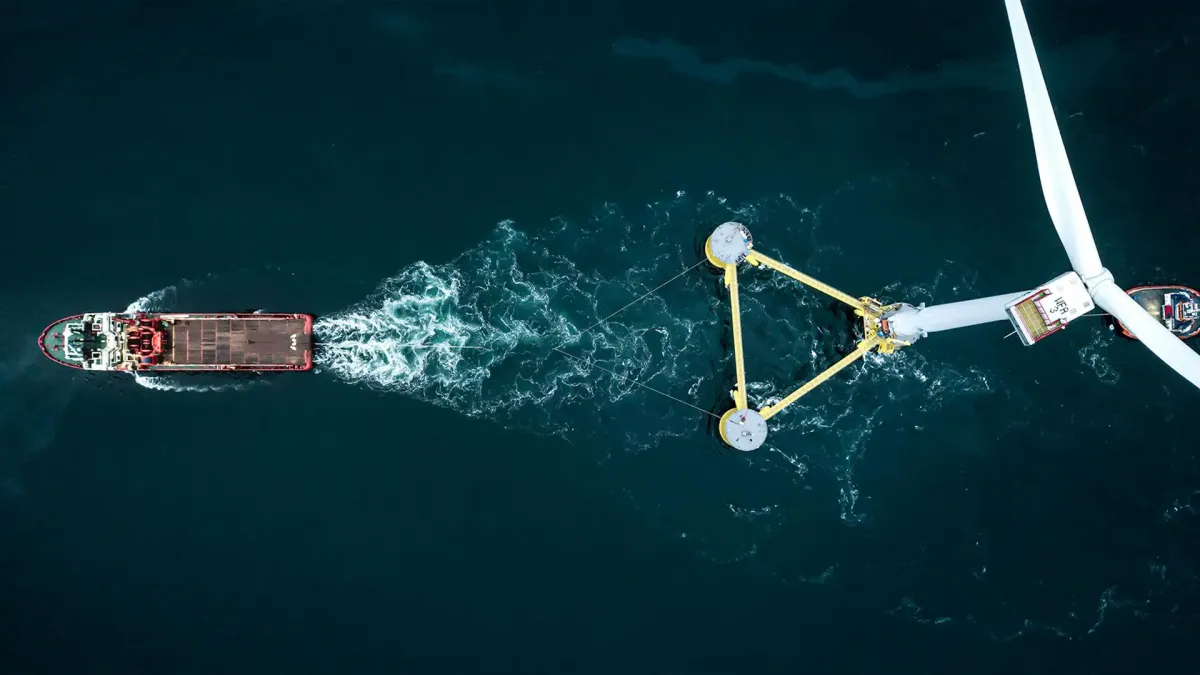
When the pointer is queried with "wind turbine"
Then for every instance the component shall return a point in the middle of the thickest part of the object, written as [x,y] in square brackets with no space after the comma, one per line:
[1066,211]
[1035,314]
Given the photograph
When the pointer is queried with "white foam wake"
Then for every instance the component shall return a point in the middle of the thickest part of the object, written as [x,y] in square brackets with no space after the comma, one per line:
[1093,355]
[157,301]
[164,382]
[517,296]
[477,334]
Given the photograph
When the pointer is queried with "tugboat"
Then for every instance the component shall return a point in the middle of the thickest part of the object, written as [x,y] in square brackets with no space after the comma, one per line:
[143,342]
[1176,307]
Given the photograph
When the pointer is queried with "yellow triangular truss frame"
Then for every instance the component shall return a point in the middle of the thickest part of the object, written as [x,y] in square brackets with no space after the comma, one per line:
[873,314]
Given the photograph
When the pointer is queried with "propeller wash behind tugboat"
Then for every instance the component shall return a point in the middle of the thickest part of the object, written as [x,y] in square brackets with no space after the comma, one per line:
[142,342]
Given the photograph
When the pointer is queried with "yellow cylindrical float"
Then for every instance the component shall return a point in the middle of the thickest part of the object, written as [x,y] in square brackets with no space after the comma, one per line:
[743,429]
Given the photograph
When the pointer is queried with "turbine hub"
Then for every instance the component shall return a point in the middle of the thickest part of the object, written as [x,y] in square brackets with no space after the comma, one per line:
[1099,279]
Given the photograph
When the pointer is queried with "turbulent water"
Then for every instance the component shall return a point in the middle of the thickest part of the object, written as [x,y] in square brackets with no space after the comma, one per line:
[517,331]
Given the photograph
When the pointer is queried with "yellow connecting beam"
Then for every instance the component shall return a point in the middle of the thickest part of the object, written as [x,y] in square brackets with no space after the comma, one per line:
[739,395]
[863,347]
[755,258]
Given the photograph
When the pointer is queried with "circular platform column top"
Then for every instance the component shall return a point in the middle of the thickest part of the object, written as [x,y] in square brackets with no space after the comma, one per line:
[730,243]
[743,430]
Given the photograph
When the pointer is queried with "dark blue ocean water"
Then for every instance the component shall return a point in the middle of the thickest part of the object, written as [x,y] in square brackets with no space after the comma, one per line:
[493,179]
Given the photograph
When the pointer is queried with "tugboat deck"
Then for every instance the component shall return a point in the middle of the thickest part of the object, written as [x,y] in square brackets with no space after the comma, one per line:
[244,342]
[1175,307]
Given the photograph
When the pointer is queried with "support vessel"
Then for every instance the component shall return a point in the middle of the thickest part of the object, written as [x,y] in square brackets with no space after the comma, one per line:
[148,342]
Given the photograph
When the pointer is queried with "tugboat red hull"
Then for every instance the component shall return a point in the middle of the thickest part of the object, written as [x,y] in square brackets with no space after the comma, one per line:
[149,342]
[1177,308]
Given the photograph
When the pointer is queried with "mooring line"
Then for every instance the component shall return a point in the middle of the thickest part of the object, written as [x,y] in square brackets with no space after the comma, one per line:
[639,299]
[630,379]
[591,362]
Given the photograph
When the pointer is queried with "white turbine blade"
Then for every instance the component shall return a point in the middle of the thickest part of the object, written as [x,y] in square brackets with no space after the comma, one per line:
[1058,183]
[1153,334]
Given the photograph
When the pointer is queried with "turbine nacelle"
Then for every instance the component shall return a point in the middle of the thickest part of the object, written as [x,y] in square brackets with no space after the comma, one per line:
[1048,308]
